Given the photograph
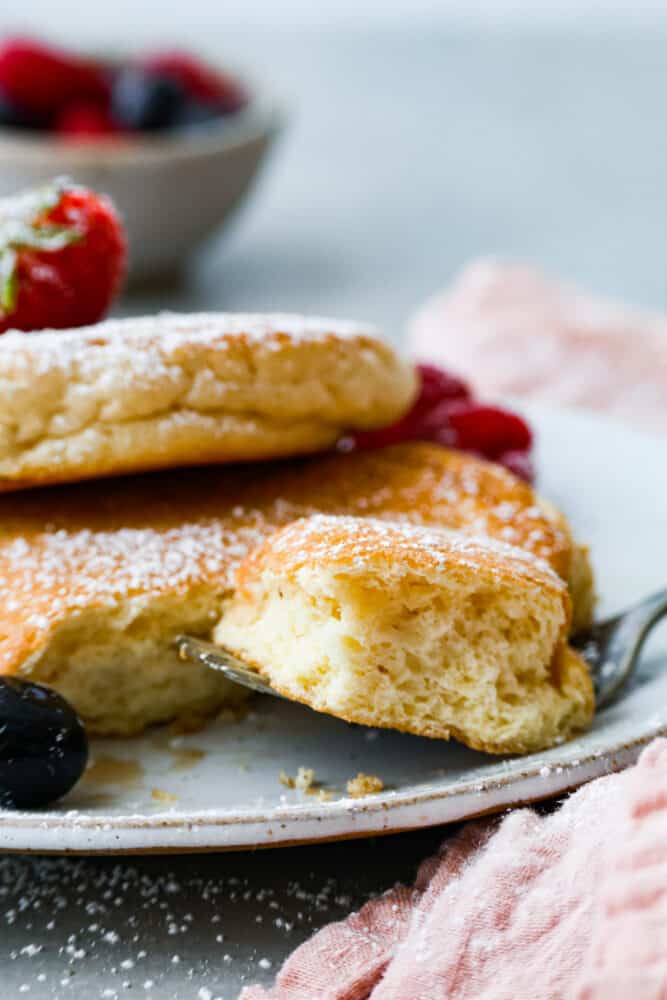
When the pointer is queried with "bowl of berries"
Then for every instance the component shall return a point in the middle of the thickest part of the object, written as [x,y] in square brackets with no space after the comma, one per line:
[174,141]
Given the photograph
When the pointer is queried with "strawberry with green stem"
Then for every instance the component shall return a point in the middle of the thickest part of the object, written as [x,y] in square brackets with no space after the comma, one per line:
[62,258]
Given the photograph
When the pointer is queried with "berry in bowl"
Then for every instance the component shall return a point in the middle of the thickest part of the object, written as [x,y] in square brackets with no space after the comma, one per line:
[175,142]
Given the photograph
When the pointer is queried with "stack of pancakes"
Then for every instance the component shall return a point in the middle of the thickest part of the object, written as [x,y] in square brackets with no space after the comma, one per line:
[410,586]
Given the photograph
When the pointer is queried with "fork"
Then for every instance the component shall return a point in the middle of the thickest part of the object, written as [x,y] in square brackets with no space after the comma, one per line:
[611,649]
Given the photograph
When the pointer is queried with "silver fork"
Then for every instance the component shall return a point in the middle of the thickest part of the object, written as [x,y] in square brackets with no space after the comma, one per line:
[611,648]
[219,658]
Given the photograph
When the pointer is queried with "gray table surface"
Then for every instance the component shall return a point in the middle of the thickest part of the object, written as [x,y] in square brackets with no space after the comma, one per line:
[407,153]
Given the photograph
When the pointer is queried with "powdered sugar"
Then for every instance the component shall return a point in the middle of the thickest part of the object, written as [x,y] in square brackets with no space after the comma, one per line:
[66,911]
[100,544]
[356,543]
[176,330]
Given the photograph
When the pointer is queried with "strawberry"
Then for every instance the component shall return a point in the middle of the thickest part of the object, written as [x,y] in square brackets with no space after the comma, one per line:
[198,80]
[62,258]
[40,79]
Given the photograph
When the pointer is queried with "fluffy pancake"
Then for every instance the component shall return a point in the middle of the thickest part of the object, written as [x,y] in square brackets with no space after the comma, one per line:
[430,485]
[156,392]
[428,631]
[100,577]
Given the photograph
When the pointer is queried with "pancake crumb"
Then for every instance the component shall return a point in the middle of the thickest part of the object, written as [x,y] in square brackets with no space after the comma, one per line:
[305,780]
[159,795]
[364,784]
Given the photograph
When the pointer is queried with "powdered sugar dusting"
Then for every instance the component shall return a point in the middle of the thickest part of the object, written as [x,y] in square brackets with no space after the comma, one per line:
[173,330]
[156,931]
[358,544]
[99,544]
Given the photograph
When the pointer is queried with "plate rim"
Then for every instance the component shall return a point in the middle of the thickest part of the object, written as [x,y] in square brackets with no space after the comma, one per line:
[164,832]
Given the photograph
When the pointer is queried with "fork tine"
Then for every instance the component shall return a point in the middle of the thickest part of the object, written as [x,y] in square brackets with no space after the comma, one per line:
[220,659]
[611,648]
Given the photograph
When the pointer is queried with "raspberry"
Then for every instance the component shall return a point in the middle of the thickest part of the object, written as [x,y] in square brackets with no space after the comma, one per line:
[445,413]
[519,463]
[85,118]
[41,80]
[488,430]
[438,384]
[406,429]
[198,80]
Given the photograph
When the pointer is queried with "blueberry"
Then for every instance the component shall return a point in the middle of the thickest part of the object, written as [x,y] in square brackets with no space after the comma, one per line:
[43,745]
[195,113]
[12,116]
[145,101]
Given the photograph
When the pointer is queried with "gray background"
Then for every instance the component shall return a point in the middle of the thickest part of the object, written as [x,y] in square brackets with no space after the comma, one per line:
[409,150]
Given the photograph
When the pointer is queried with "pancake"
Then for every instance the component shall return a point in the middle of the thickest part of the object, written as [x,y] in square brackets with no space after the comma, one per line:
[100,577]
[157,392]
[428,631]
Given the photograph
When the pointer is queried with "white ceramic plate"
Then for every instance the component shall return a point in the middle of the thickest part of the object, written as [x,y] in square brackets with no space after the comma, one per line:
[224,781]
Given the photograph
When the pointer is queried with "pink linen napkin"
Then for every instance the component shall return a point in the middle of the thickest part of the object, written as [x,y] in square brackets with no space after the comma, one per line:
[569,906]
[511,331]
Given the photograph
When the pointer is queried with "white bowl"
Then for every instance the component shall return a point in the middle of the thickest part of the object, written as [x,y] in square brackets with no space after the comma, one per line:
[173,189]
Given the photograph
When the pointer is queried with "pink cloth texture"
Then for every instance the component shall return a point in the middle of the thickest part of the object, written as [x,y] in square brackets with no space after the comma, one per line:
[513,332]
[566,906]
